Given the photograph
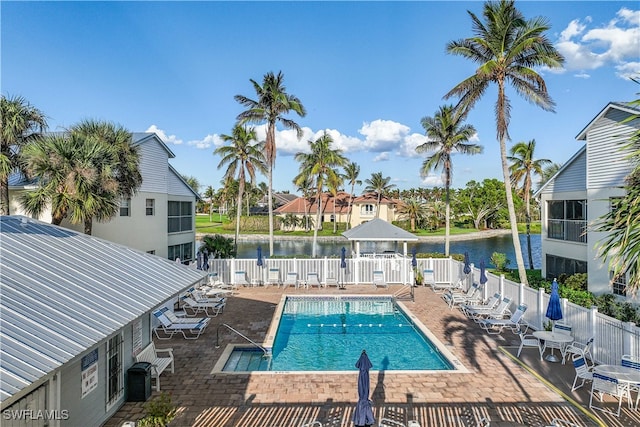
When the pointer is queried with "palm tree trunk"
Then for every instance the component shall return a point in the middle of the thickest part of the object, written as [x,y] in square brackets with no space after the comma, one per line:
[349,209]
[378,205]
[4,197]
[447,211]
[512,212]
[270,207]
[315,229]
[335,218]
[88,226]
[528,222]
[239,203]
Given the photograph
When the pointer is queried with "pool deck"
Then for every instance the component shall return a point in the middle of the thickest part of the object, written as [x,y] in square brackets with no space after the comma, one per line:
[498,387]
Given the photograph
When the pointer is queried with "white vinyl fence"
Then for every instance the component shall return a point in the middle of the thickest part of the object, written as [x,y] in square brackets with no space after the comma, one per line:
[612,338]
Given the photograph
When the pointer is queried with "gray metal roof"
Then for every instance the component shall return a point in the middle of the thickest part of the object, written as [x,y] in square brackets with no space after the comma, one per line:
[62,292]
[380,231]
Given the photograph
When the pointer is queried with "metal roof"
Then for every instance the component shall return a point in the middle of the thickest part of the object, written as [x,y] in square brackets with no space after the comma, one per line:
[379,230]
[62,292]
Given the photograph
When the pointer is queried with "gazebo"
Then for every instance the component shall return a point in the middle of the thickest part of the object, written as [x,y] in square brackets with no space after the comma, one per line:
[378,230]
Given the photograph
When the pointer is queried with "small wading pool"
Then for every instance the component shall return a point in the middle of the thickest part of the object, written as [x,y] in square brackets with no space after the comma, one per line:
[327,333]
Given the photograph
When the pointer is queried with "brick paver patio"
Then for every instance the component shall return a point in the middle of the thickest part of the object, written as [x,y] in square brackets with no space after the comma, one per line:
[497,387]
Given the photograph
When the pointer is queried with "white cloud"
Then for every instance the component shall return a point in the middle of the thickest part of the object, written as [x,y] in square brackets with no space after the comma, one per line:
[616,43]
[382,135]
[382,157]
[207,142]
[433,181]
[582,75]
[628,70]
[167,139]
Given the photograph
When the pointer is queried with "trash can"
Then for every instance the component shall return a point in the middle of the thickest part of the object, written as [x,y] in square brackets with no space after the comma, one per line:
[139,382]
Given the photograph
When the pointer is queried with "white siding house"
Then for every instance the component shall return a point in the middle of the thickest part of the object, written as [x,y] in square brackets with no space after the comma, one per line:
[76,310]
[580,193]
[159,219]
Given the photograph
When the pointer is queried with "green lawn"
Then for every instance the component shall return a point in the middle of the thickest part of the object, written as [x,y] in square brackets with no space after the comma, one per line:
[204,226]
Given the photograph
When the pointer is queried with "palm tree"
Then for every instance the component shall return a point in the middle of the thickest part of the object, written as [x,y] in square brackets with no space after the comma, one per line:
[192,182]
[123,163]
[305,186]
[414,210]
[20,123]
[506,47]
[522,167]
[334,186]
[272,103]
[446,133]
[243,158]
[379,185]
[209,194]
[548,172]
[74,178]
[351,173]
[321,165]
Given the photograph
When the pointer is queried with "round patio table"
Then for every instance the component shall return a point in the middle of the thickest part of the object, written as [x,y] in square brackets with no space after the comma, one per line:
[553,337]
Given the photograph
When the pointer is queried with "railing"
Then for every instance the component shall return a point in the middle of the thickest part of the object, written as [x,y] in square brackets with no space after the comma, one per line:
[567,229]
[266,352]
[613,338]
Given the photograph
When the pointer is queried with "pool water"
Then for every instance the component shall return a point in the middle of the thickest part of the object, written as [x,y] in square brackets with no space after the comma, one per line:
[329,333]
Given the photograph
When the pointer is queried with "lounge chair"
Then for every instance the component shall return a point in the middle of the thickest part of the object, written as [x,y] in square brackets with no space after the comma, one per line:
[174,318]
[240,278]
[500,312]
[331,281]
[440,287]
[313,280]
[209,294]
[602,384]
[583,371]
[472,295]
[193,307]
[378,279]
[291,280]
[428,277]
[274,277]
[490,304]
[166,329]
[495,326]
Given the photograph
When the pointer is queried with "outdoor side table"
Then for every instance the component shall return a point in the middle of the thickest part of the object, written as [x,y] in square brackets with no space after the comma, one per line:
[553,337]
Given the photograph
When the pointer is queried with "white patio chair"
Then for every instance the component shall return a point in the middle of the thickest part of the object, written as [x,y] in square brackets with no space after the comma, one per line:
[527,340]
[496,326]
[583,371]
[602,384]
[583,349]
[378,279]
[240,278]
[291,280]
[428,277]
[313,280]
[331,281]
[558,328]
[273,277]
[634,363]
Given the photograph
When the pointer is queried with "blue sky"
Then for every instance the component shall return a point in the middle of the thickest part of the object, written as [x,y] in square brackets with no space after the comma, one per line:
[365,71]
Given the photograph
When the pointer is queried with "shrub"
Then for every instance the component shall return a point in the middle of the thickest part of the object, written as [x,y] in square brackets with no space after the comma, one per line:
[159,412]
[576,282]
[500,261]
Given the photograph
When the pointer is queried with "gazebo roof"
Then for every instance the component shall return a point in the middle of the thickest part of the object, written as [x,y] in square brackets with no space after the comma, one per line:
[378,230]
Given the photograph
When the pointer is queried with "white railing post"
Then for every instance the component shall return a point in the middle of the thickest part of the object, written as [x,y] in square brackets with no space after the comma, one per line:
[592,328]
[628,343]
[325,268]
[233,271]
[521,293]
[501,285]
[540,312]
[356,271]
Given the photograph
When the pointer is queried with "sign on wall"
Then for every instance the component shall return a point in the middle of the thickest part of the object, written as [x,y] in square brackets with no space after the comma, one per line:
[89,372]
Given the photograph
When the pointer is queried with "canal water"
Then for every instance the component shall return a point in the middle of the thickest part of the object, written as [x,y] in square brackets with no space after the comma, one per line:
[480,249]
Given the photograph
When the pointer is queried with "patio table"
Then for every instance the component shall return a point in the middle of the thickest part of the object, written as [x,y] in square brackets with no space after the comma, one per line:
[623,374]
[555,337]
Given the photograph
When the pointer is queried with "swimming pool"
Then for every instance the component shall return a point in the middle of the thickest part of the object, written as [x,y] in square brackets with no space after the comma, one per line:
[328,333]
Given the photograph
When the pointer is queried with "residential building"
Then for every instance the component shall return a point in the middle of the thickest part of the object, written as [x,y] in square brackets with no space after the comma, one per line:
[334,208]
[158,219]
[582,191]
[76,310]
[365,209]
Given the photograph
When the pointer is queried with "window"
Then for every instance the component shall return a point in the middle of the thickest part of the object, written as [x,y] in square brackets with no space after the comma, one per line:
[150,207]
[558,265]
[180,217]
[368,210]
[619,284]
[567,220]
[125,207]
[183,251]
[115,375]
